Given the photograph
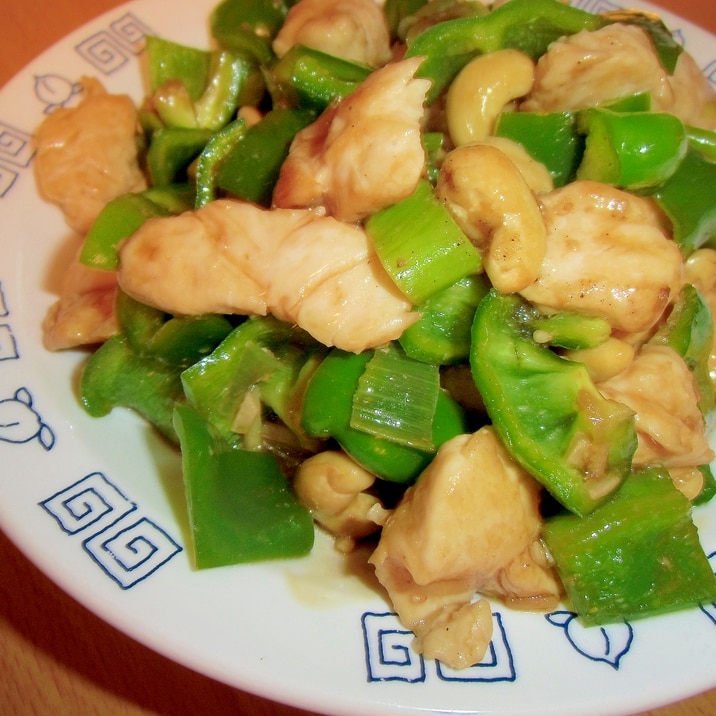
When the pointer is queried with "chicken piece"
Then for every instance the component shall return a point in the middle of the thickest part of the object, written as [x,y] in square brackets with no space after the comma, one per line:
[84,313]
[235,257]
[659,387]
[608,255]
[597,67]
[364,153]
[355,30]
[87,155]
[472,512]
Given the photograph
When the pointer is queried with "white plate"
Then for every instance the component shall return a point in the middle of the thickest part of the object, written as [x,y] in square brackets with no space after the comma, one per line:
[97,504]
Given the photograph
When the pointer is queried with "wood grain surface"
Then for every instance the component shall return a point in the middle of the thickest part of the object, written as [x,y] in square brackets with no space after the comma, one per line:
[57,658]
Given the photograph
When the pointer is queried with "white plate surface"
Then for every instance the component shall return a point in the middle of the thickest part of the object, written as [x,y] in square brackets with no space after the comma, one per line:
[97,504]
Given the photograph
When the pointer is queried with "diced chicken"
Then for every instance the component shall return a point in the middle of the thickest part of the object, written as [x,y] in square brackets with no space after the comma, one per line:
[87,155]
[84,313]
[235,257]
[354,30]
[470,515]
[363,154]
[659,387]
[608,255]
[597,67]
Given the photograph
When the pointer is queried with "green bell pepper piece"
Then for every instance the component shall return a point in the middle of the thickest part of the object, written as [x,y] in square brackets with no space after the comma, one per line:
[434,12]
[308,78]
[571,330]
[118,219]
[703,140]
[545,408]
[526,25]
[637,555]
[689,330]
[171,150]
[327,410]
[442,334]
[630,150]
[551,138]
[169,61]
[252,165]
[262,351]
[688,199]
[117,376]
[248,27]
[241,507]
[212,157]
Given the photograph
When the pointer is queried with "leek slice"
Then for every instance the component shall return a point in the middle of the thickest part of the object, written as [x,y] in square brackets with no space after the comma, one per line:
[420,245]
[396,398]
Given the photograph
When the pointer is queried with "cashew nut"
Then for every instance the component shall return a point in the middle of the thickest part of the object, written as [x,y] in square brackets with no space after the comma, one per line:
[493,204]
[332,486]
[483,89]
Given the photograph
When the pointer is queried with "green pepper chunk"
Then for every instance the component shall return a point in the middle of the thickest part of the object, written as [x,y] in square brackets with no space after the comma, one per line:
[252,165]
[571,330]
[169,61]
[117,376]
[526,25]
[442,334]
[248,27]
[241,507]
[630,150]
[262,354]
[709,489]
[703,140]
[551,138]
[212,158]
[308,78]
[689,201]
[689,330]
[637,555]
[327,411]
[396,10]
[546,409]
[118,219]
[171,150]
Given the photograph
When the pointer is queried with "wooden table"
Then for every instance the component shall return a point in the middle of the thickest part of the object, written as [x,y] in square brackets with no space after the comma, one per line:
[58,659]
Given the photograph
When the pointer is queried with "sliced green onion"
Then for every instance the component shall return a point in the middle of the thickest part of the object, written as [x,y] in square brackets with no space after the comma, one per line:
[420,245]
[396,398]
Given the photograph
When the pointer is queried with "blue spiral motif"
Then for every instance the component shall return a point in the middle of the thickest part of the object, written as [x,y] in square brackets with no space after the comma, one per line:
[387,649]
[91,502]
[103,52]
[131,32]
[131,553]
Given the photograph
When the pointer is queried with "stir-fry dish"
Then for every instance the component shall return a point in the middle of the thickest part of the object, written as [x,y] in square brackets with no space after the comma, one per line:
[435,277]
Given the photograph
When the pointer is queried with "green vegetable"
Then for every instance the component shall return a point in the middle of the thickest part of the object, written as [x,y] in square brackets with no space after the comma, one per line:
[546,409]
[709,489]
[420,246]
[117,376]
[213,157]
[396,398]
[241,507]
[703,140]
[252,165]
[689,330]
[550,138]
[434,12]
[571,330]
[526,25]
[442,334]
[308,78]
[169,61]
[396,10]
[222,96]
[688,203]
[119,219]
[171,150]
[327,412]
[248,27]
[630,150]
[262,354]
[637,555]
